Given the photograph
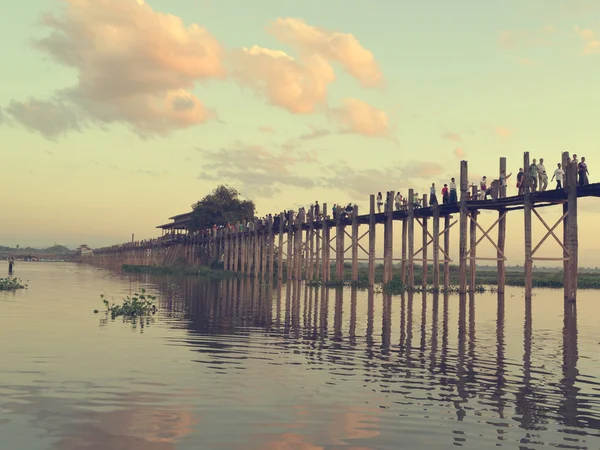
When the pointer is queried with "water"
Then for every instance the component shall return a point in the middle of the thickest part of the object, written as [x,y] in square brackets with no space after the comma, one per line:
[237,365]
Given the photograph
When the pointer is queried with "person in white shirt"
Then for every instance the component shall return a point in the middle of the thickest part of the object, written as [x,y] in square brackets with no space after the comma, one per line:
[453,197]
[398,201]
[559,174]
[483,188]
[432,196]
[542,177]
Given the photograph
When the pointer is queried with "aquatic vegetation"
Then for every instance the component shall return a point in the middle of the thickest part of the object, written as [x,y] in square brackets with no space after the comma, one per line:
[11,284]
[140,305]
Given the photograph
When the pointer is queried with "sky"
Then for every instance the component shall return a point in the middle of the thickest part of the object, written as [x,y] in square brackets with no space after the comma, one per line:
[117,114]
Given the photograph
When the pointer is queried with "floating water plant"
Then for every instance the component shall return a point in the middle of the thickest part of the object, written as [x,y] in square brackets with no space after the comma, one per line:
[11,284]
[140,305]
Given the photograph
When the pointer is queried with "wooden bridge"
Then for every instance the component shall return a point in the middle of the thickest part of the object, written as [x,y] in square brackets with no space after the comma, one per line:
[306,242]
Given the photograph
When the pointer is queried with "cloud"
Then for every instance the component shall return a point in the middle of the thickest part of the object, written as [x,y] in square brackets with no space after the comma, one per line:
[454,137]
[359,183]
[591,43]
[134,65]
[526,62]
[459,152]
[299,87]
[581,7]
[342,48]
[51,119]
[517,39]
[356,116]
[255,170]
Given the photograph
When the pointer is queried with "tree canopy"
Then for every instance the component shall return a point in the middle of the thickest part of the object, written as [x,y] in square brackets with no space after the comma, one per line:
[219,207]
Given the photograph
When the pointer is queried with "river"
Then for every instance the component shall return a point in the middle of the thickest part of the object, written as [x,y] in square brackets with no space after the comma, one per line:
[240,365]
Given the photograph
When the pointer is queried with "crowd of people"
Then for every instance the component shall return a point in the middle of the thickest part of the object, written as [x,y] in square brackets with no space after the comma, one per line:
[538,182]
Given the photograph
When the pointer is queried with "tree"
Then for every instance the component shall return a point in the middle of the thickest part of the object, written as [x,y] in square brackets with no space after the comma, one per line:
[219,207]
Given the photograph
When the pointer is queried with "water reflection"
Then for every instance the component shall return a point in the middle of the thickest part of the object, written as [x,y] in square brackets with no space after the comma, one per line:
[427,366]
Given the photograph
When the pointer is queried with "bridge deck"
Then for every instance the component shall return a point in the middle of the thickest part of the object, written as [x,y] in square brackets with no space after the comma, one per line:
[540,199]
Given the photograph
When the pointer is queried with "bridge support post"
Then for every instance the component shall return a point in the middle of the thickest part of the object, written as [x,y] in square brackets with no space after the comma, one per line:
[256,241]
[436,247]
[236,248]
[263,250]
[242,249]
[339,247]
[298,245]
[289,266]
[271,244]
[501,264]
[411,239]
[404,239]
[325,247]
[310,242]
[388,233]
[280,247]
[528,266]
[425,245]
[464,177]
[227,251]
[473,254]
[372,228]
[355,244]
[572,243]
[565,208]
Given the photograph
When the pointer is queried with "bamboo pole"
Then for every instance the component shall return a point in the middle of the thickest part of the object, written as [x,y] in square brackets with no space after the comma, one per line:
[501,264]
[528,266]
[372,236]
[355,244]
[436,247]
[572,243]
[425,242]
[388,247]
[411,239]
[464,177]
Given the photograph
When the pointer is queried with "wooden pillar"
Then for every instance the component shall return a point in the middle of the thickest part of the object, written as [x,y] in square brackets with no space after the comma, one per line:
[501,264]
[388,238]
[236,248]
[325,246]
[436,247]
[318,249]
[411,239]
[355,244]
[270,243]
[226,252]
[280,248]
[339,247]
[372,227]
[572,243]
[263,249]
[242,249]
[565,208]
[249,254]
[527,215]
[464,177]
[256,241]
[473,254]
[425,241]
[298,246]
[290,245]
[310,242]
[404,238]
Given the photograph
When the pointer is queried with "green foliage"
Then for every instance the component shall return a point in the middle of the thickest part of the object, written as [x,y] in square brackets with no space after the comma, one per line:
[219,207]
[140,305]
[11,284]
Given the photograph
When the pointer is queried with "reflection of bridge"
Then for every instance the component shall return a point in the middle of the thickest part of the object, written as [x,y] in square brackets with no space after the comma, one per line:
[418,351]
[308,241]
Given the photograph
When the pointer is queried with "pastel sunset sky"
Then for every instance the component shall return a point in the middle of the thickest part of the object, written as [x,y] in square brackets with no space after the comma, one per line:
[117,114]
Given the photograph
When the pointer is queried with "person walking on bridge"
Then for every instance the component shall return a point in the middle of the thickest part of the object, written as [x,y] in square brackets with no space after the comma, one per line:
[559,174]
[432,197]
[542,177]
[533,175]
[582,170]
